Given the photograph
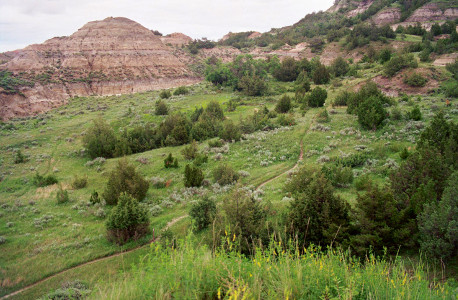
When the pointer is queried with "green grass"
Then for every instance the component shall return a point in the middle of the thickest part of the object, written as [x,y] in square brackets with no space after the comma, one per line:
[35,249]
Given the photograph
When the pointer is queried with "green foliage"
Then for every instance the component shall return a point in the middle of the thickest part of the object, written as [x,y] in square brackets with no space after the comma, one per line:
[339,67]
[161,108]
[170,162]
[175,130]
[181,90]
[317,97]
[338,175]
[362,34]
[399,62]
[377,220]
[440,135]
[342,98]
[191,151]
[214,111]
[316,215]
[453,68]
[368,90]
[286,120]
[128,220]
[323,116]
[371,113]
[11,84]
[253,85]
[404,153]
[384,55]
[321,75]
[203,213]
[438,224]
[415,114]
[100,140]
[283,105]
[20,158]
[396,113]
[415,80]
[230,132]
[165,94]
[288,70]
[79,182]
[124,179]
[353,160]
[193,176]
[74,290]
[42,181]
[245,218]
[450,88]
[61,195]
[94,199]
[225,174]
[200,159]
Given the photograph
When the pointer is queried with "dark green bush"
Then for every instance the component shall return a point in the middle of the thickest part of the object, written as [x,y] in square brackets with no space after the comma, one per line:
[317,97]
[338,175]
[283,105]
[165,94]
[323,116]
[230,132]
[252,85]
[182,90]
[404,154]
[415,114]
[41,181]
[79,182]
[128,220]
[170,162]
[286,120]
[200,159]
[288,70]
[202,213]
[193,176]
[225,174]
[191,151]
[415,80]
[371,113]
[125,179]
[340,67]
[397,63]
[161,108]
[94,198]
[321,75]
[19,158]
[342,98]
[100,140]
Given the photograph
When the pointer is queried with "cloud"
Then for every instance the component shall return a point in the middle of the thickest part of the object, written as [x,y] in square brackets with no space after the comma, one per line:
[24,22]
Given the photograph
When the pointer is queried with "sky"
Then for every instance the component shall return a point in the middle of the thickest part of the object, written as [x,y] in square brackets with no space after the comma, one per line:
[25,22]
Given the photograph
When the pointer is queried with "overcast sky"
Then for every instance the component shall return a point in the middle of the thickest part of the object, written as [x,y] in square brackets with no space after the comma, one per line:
[25,22]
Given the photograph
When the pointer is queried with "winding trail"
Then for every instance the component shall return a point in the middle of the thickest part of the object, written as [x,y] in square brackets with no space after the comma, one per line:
[169,224]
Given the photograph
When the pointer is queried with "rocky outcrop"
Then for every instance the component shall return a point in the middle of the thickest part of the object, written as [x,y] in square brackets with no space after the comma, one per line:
[112,56]
[361,7]
[433,12]
[387,16]
[176,39]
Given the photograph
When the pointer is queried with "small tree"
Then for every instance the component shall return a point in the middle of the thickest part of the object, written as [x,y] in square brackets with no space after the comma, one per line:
[19,158]
[202,213]
[193,176]
[288,70]
[161,108]
[283,105]
[170,162]
[165,94]
[317,97]
[340,67]
[230,132]
[100,140]
[224,174]
[128,220]
[62,195]
[415,114]
[125,179]
[190,152]
[371,113]
[321,75]
[181,90]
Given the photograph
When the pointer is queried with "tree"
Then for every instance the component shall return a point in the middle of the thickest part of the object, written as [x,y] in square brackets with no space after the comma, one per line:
[125,179]
[225,174]
[245,218]
[283,105]
[321,75]
[161,108]
[193,176]
[317,97]
[100,140]
[128,220]
[376,219]
[202,213]
[316,215]
[340,67]
[371,113]
[214,111]
[170,162]
[252,85]
[230,132]
[288,70]
[190,152]
[438,223]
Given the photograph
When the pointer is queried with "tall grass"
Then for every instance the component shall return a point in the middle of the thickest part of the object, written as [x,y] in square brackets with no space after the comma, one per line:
[190,272]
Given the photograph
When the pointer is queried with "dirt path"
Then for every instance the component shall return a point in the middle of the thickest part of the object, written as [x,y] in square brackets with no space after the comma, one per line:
[301,156]
[169,224]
